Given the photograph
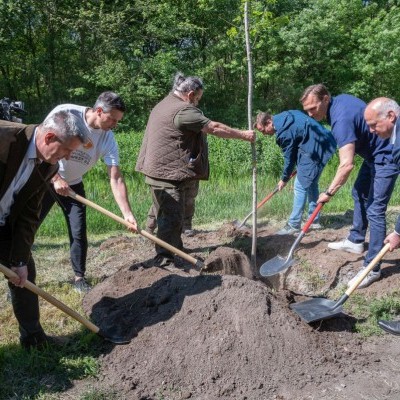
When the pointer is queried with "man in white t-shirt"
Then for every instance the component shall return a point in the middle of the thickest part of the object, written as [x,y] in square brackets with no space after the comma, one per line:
[99,120]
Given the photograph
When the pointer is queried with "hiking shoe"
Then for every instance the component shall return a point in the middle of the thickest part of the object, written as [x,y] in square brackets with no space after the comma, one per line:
[346,245]
[82,286]
[370,278]
[392,327]
[288,230]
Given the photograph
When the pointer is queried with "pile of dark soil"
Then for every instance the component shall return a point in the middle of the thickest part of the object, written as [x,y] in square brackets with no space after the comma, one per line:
[230,334]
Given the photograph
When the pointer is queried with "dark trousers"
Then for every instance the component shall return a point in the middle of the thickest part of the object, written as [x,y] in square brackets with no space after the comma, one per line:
[75,216]
[169,203]
[190,192]
[371,193]
[25,303]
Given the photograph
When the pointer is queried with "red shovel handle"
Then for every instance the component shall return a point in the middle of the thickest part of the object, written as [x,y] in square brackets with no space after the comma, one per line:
[263,201]
[312,217]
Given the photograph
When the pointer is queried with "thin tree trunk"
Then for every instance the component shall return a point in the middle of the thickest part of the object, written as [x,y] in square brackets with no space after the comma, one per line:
[253,146]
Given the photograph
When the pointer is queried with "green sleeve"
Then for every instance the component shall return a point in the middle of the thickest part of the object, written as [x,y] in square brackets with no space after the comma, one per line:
[190,119]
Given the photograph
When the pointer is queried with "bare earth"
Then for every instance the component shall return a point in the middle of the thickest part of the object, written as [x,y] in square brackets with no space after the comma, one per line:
[231,334]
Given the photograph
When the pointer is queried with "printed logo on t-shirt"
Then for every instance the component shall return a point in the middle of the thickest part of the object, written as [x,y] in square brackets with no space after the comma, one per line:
[81,157]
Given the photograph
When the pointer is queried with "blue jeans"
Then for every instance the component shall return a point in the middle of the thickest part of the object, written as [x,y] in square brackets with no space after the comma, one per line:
[300,199]
[371,194]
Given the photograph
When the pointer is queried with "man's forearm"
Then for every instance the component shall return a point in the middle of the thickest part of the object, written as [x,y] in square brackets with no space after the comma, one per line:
[120,193]
[226,132]
[340,178]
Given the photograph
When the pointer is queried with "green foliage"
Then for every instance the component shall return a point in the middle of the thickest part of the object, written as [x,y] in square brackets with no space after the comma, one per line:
[68,51]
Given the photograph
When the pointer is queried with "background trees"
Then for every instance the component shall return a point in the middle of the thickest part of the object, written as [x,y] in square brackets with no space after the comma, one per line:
[55,51]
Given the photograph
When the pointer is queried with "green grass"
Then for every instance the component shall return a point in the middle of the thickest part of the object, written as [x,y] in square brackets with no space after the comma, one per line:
[368,311]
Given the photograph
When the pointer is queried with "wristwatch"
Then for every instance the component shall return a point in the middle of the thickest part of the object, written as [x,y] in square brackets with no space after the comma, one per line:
[328,193]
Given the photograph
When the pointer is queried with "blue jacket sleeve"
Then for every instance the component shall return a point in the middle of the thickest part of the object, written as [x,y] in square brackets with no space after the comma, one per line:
[287,142]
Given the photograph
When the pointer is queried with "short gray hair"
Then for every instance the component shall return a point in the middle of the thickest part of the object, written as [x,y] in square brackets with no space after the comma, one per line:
[383,105]
[109,101]
[187,84]
[66,126]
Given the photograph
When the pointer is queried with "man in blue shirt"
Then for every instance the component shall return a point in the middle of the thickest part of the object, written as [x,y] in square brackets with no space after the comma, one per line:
[376,178]
[306,143]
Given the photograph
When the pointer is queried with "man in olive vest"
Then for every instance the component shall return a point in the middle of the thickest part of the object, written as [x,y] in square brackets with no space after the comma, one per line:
[173,153]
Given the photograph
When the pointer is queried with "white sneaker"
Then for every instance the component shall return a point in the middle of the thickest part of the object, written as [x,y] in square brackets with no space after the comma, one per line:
[370,278]
[346,245]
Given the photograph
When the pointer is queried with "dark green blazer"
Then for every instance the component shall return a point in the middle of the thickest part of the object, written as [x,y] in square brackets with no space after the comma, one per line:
[23,220]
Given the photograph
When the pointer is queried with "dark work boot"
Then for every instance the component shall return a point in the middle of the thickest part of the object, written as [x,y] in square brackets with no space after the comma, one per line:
[392,327]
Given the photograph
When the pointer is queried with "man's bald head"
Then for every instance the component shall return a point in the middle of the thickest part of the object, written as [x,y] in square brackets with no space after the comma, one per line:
[381,115]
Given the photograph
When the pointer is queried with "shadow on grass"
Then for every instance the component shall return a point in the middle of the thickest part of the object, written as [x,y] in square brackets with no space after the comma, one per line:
[29,374]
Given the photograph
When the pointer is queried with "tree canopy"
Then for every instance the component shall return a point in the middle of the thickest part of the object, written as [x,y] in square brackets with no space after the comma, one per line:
[56,51]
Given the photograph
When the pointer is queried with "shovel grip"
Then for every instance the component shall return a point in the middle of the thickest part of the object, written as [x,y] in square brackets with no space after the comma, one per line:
[147,235]
[312,217]
[52,300]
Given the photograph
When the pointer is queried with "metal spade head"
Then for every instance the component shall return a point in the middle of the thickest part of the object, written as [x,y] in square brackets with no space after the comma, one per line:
[113,339]
[317,309]
[276,265]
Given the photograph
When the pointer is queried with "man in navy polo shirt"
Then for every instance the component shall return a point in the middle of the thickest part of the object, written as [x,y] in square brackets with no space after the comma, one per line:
[376,177]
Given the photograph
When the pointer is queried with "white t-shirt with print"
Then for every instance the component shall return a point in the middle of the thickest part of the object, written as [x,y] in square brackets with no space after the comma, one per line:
[101,144]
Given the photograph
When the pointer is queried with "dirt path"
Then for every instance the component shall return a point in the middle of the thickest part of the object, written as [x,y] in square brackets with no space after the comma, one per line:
[227,336]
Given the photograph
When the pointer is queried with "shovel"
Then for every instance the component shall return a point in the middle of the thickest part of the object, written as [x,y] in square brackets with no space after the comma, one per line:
[197,263]
[318,308]
[279,263]
[92,327]
[260,204]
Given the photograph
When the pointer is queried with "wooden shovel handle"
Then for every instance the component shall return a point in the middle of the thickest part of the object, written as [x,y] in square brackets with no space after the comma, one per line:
[368,268]
[48,297]
[146,234]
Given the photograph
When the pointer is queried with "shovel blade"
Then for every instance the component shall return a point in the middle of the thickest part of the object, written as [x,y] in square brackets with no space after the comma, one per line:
[316,309]
[275,265]
[239,224]
[115,339]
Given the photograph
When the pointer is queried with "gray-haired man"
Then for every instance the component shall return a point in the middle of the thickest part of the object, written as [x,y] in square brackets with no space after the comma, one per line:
[29,157]
[174,153]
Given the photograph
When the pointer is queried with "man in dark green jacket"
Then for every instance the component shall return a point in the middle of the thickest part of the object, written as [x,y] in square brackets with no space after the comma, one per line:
[29,157]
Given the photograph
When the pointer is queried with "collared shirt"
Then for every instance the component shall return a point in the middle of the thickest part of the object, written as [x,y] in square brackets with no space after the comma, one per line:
[393,135]
[20,178]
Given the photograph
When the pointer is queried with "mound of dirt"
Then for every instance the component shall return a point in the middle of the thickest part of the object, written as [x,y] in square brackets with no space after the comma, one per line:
[207,336]
[231,335]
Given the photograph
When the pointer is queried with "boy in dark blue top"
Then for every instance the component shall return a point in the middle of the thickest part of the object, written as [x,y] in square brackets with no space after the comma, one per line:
[309,145]
[376,178]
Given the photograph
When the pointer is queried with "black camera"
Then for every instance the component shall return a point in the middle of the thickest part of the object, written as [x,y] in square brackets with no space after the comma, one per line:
[11,110]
